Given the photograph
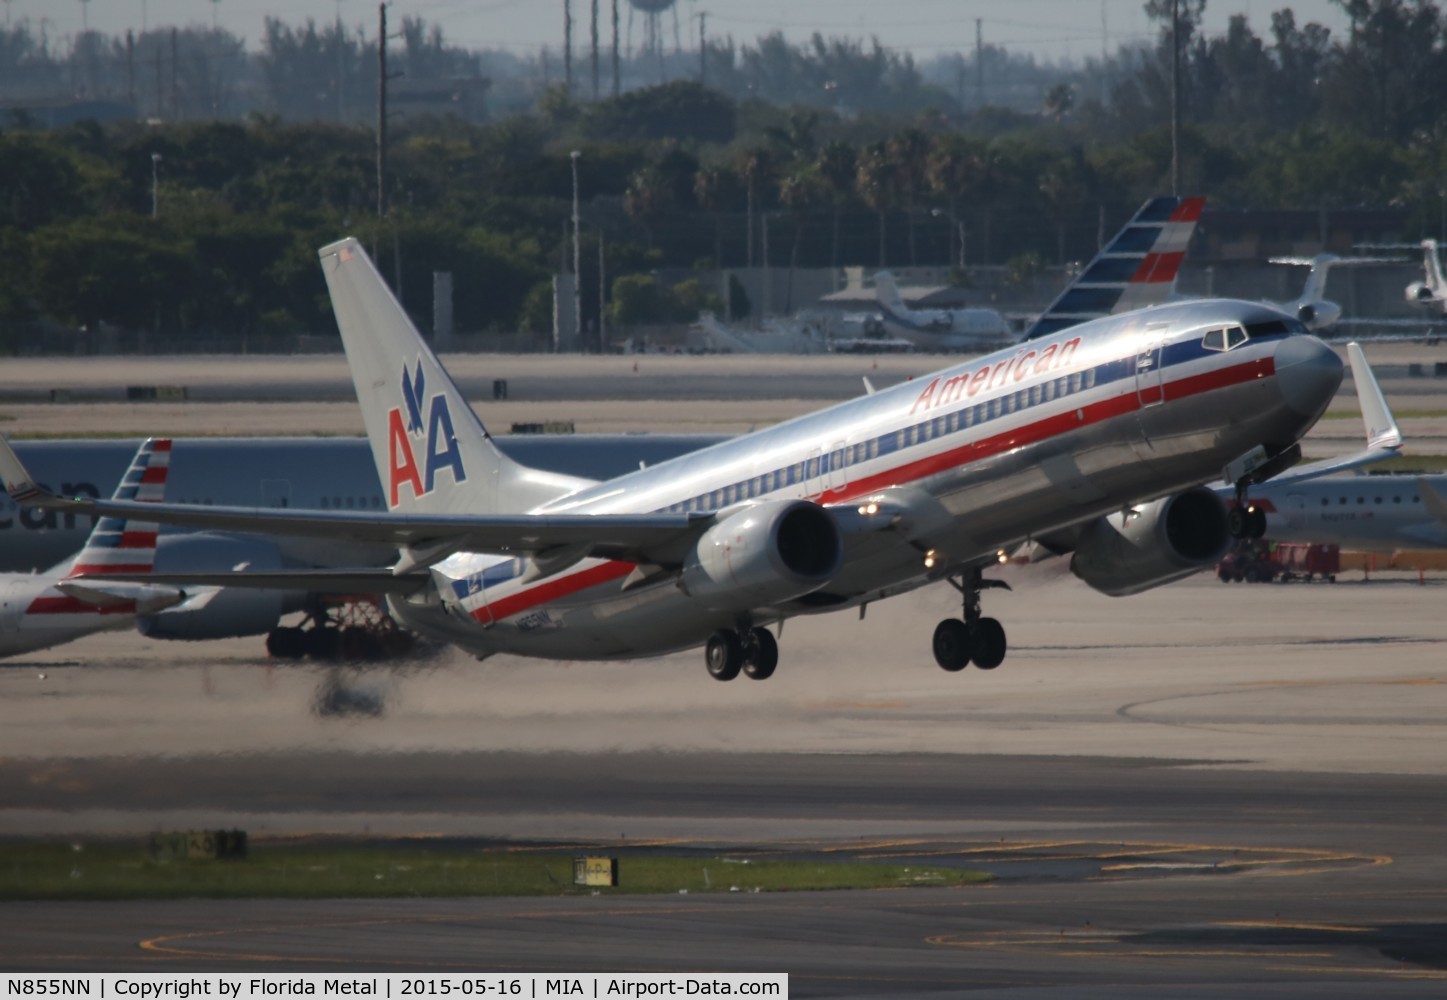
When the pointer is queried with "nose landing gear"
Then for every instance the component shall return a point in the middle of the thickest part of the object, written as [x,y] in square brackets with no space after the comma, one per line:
[975,638]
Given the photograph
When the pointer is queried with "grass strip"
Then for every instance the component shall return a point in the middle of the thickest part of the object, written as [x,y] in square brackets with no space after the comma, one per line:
[286,871]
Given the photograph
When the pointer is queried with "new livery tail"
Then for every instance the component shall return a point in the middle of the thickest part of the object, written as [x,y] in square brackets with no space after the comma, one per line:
[433,455]
[1137,268]
[117,545]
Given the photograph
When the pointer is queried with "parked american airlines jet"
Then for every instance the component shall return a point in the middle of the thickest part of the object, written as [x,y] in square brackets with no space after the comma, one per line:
[1106,432]
[90,593]
[939,329]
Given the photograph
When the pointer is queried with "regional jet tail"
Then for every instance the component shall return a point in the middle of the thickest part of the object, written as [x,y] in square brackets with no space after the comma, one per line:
[1136,269]
[94,590]
[871,498]
[939,329]
[1312,307]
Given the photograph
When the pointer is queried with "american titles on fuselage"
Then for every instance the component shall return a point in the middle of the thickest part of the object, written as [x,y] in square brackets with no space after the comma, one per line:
[1025,362]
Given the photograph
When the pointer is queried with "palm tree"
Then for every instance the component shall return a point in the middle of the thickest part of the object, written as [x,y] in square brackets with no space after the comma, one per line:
[837,164]
[800,192]
[910,151]
[756,166]
[716,189]
[951,172]
[877,181]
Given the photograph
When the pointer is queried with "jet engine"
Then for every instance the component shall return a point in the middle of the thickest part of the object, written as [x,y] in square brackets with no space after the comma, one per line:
[1163,541]
[765,554]
[233,611]
[1418,293]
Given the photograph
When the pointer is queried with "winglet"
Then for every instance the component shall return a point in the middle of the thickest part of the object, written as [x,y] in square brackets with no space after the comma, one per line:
[1384,438]
[1382,429]
[18,481]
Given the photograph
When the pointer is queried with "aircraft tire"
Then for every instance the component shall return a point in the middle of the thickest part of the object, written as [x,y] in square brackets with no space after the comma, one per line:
[1238,522]
[954,644]
[324,643]
[1256,522]
[990,643]
[724,655]
[286,643]
[761,657]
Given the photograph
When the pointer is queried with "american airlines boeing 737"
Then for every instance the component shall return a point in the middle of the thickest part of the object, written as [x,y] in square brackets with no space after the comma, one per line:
[1101,435]
[97,589]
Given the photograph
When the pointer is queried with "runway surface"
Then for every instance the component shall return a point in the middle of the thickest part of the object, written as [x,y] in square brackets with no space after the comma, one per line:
[1203,789]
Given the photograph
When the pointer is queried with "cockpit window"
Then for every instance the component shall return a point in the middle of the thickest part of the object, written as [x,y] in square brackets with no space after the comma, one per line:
[1224,339]
[1276,328]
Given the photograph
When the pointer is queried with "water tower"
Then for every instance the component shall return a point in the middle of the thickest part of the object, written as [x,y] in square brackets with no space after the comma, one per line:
[653,11]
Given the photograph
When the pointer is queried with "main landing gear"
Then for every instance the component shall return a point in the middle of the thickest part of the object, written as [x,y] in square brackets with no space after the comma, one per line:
[1245,519]
[752,651]
[978,639]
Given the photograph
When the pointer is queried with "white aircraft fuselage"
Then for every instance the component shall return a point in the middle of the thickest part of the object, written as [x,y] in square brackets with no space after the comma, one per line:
[925,477]
[1366,513]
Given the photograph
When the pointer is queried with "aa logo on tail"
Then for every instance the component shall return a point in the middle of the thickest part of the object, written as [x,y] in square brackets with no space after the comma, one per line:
[433,433]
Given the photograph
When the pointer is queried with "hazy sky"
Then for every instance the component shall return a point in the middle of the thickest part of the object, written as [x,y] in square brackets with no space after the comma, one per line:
[1051,28]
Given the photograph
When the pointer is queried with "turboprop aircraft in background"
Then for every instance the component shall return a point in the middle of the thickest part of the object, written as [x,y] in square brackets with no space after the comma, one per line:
[90,592]
[1137,268]
[926,481]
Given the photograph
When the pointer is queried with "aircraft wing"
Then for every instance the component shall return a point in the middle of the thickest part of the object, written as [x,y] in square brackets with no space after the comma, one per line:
[425,538]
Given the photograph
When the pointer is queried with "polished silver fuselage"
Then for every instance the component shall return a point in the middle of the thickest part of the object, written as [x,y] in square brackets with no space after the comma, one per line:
[1033,439]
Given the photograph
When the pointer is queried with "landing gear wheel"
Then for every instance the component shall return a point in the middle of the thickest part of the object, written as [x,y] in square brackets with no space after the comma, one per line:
[1256,522]
[286,643]
[989,644]
[724,655]
[954,644]
[1236,522]
[761,655]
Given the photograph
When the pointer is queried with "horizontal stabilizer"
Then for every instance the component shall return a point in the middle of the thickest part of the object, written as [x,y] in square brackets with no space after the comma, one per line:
[121,590]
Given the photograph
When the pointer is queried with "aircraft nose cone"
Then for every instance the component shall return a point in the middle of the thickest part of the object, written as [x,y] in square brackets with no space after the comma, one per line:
[1308,374]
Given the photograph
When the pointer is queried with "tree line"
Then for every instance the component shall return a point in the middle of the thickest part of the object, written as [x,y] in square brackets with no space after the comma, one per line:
[680,176]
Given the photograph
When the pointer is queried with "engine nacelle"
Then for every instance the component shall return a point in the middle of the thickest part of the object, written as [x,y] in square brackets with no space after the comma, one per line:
[1166,540]
[765,554]
[1418,292]
[234,611]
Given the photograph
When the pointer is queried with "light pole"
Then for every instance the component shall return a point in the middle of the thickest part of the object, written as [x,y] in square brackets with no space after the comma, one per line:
[577,259]
[155,184]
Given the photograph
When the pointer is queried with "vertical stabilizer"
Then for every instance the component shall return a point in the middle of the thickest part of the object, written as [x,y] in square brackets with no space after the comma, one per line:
[887,293]
[433,454]
[118,545]
[1137,268]
[1433,266]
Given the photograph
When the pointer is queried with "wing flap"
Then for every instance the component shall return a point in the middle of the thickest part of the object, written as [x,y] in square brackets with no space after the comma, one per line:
[365,580]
